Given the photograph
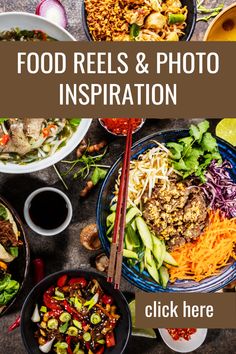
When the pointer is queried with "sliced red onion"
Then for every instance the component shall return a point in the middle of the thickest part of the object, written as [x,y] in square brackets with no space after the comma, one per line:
[53,11]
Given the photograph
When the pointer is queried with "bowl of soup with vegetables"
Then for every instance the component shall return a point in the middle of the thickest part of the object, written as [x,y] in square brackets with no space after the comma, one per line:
[223,27]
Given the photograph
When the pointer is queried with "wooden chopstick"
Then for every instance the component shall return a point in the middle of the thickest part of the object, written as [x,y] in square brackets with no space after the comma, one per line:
[119,256]
[118,234]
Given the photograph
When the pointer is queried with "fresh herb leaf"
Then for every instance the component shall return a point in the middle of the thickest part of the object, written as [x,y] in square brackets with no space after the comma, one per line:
[175,150]
[75,122]
[134,31]
[208,142]
[3,212]
[8,289]
[180,165]
[194,153]
[204,126]
[2,120]
[14,251]
[98,174]
[63,328]
[195,132]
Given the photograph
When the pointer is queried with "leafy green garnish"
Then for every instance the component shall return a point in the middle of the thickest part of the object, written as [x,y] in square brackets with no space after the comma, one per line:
[2,120]
[14,251]
[3,212]
[98,174]
[75,122]
[8,289]
[134,31]
[63,328]
[193,154]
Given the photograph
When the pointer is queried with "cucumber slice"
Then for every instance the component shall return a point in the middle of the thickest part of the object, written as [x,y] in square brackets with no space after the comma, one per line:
[111,219]
[144,232]
[133,237]
[130,254]
[110,229]
[128,242]
[113,207]
[164,276]
[159,250]
[132,212]
[170,260]
[152,270]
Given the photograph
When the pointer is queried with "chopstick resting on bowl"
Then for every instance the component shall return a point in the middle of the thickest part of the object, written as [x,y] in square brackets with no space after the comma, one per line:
[116,251]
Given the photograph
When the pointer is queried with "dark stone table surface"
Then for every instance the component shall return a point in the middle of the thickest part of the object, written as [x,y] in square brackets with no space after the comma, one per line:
[64,251]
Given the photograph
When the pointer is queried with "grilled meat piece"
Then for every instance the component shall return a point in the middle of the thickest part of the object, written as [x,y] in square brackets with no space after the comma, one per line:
[7,235]
[33,127]
[177,214]
[18,142]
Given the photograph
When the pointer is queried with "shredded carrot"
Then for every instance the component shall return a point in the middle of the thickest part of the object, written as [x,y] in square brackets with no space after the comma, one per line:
[213,250]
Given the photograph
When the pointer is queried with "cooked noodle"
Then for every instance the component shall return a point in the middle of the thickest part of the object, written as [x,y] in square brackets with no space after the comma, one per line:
[154,20]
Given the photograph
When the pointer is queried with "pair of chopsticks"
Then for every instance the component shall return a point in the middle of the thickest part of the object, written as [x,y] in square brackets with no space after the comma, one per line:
[116,251]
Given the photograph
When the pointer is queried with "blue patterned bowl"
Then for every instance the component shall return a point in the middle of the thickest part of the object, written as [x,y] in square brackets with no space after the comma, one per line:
[144,281]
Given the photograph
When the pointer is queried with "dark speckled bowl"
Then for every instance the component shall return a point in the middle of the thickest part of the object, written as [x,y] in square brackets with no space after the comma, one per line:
[144,281]
[191,20]
[20,266]
[122,330]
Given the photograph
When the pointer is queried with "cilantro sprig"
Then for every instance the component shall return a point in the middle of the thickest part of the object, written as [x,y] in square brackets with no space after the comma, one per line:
[193,154]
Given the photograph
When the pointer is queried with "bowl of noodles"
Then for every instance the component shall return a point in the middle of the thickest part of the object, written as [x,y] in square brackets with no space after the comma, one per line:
[180,233]
[139,20]
[32,144]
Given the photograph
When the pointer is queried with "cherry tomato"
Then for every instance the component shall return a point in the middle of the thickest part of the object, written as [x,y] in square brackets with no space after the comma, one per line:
[107,300]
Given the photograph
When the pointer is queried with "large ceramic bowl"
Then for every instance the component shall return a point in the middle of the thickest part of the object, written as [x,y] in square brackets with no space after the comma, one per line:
[144,281]
[78,135]
[223,27]
[122,331]
[23,20]
[20,266]
[191,20]
[27,21]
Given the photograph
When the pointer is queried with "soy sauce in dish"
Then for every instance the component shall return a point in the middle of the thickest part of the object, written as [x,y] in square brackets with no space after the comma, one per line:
[48,210]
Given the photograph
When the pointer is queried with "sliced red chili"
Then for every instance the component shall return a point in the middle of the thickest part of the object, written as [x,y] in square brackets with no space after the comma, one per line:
[177,333]
[81,281]
[68,341]
[71,310]
[49,302]
[62,281]
[4,139]
[110,339]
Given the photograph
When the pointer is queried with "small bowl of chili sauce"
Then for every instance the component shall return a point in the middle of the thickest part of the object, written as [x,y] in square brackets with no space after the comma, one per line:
[119,126]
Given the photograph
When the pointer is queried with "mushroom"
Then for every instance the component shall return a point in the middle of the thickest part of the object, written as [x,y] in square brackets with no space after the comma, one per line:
[155,21]
[89,237]
[102,262]
[172,37]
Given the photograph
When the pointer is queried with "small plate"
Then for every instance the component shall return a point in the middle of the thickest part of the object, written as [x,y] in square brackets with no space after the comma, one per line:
[182,345]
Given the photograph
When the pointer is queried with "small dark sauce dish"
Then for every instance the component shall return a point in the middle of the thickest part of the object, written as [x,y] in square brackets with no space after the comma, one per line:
[191,20]
[122,331]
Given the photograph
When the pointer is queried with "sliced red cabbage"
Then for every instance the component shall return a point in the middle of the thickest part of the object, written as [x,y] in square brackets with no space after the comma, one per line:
[220,189]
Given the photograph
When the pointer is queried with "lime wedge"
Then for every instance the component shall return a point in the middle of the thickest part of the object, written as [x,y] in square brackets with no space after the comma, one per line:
[144,332]
[140,332]
[226,129]
[132,312]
